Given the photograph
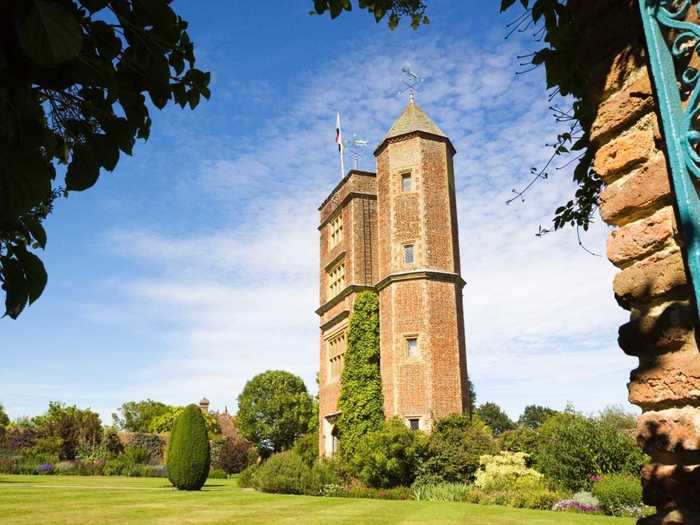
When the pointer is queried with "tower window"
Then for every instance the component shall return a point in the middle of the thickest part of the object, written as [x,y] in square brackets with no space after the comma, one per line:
[336,227]
[414,423]
[412,346]
[336,280]
[408,254]
[406,182]
[336,356]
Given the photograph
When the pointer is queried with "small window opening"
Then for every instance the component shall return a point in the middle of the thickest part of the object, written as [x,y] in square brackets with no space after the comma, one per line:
[412,346]
[408,254]
[414,423]
[406,183]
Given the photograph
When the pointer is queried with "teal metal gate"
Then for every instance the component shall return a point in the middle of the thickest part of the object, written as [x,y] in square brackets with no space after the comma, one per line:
[671,42]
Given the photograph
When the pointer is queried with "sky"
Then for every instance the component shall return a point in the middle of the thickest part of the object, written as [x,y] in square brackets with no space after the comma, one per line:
[194,265]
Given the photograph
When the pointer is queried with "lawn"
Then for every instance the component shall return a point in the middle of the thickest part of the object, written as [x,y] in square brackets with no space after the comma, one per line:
[72,500]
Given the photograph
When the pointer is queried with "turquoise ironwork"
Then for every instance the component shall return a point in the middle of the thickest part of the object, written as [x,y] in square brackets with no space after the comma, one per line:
[671,41]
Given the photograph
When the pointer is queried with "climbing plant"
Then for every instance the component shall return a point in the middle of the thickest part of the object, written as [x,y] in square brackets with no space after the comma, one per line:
[552,23]
[361,401]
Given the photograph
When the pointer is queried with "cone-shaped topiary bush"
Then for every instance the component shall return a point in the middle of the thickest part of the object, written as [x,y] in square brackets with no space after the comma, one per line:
[188,451]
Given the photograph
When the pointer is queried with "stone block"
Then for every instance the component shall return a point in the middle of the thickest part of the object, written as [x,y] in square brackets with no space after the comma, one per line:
[626,151]
[634,196]
[639,239]
[656,333]
[624,107]
[674,485]
[649,278]
[673,434]
[668,380]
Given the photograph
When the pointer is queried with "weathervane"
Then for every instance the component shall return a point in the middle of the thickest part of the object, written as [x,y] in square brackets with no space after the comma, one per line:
[412,81]
[354,146]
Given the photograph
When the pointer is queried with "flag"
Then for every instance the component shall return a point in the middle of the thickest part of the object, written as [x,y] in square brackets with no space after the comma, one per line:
[338,134]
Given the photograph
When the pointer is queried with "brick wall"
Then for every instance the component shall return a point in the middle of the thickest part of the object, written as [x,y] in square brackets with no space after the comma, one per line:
[646,248]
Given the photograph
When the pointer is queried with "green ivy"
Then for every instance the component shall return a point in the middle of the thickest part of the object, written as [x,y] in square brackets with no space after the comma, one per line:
[361,401]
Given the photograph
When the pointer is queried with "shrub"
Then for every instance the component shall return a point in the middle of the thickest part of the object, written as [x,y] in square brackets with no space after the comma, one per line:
[573,448]
[454,449]
[284,473]
[217,473]
[440,491]
[188,452]
[234,454]
[137,455]
[505,479]
[112,443]
[360,491]
[43,469]
[620,495]
[246,479]
[306,447]
[150,444]
[390,456]
[67,468]
[522,439]
[155,471]
[323,475]
[361,402]
[581,502]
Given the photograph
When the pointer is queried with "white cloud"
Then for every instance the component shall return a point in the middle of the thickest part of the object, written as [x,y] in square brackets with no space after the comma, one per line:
[540,315]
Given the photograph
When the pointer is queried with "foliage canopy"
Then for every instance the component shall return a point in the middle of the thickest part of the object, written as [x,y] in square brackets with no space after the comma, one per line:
[74,75]
[274,409]
[495,418]
[137,416]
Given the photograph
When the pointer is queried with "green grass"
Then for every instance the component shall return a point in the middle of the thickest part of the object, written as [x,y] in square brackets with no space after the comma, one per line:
[73,500]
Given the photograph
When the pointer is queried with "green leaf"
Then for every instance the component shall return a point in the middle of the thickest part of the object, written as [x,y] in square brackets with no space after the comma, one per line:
[505,4]
[36,229]
[35,274]
[51,34]
[94,5]
[83,170]
[14,284]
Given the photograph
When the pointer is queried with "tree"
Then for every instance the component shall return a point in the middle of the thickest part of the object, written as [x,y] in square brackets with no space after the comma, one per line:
[137,416]
[74,75]
[234,454]
[396,9]
[497,420]
[274,409]
[74,427]
[189,456]
[165,421]
[534,416]
[4,422]
[361,402]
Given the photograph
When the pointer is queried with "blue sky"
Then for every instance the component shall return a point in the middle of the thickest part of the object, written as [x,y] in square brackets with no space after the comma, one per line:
[193,266]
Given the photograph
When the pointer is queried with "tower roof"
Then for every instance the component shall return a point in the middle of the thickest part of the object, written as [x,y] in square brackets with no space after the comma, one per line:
[413,119]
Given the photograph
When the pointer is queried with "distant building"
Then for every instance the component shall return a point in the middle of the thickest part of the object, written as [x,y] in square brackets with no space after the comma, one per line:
[395,232]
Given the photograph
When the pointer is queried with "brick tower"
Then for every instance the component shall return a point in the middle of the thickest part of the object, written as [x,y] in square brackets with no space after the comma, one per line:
[396,233]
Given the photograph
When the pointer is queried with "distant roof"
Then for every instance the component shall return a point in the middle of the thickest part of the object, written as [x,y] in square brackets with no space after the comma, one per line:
[413,119]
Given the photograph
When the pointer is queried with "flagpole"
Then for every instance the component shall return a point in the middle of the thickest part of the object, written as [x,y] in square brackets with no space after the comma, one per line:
[339,142]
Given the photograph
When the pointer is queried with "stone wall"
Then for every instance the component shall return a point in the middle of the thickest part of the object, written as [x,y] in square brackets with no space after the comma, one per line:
[646,247]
